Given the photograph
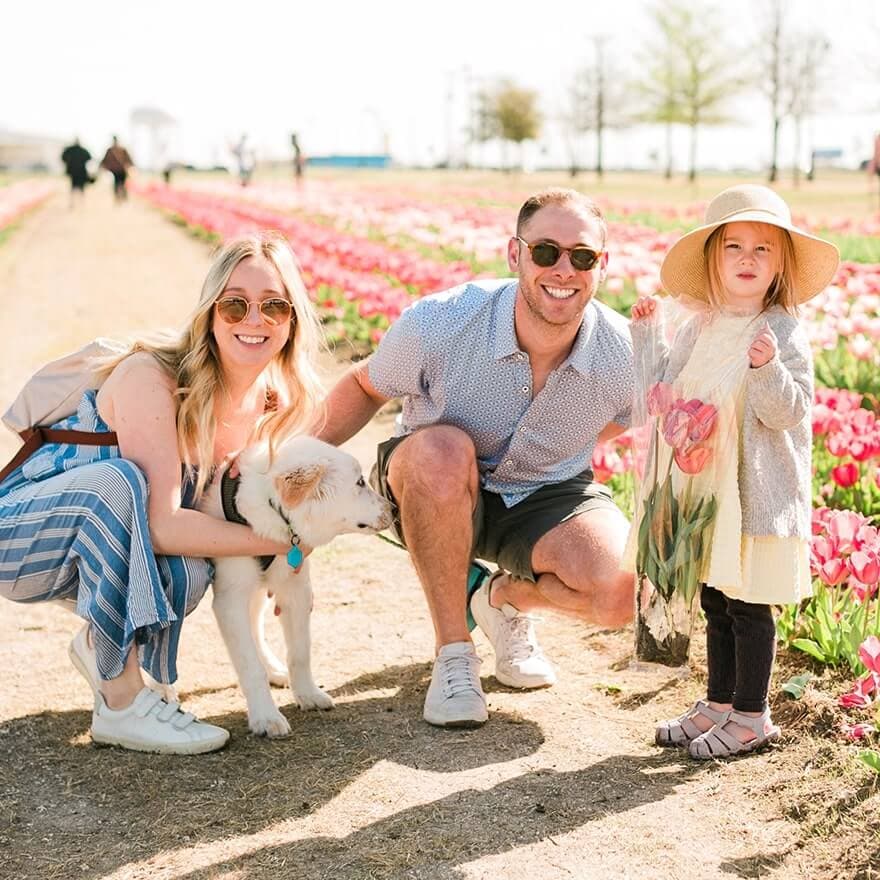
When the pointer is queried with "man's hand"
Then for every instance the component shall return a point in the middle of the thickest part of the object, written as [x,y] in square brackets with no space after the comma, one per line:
[644,307]
[763,348]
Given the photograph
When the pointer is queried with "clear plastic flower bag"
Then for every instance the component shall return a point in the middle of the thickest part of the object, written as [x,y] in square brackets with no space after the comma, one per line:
[687,524]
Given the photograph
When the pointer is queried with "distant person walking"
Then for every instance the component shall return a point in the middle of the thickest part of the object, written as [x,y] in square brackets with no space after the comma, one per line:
[299,160]
[76,158]
[245,158]
[117,161]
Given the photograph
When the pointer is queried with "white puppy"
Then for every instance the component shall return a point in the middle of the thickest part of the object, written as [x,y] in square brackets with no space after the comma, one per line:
[310,493]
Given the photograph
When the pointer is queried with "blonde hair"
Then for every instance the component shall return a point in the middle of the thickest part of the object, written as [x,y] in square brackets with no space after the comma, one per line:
[783,288]
[191,358]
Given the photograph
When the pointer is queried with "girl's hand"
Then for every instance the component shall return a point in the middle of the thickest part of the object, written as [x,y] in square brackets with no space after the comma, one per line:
[644,307]
[763,348]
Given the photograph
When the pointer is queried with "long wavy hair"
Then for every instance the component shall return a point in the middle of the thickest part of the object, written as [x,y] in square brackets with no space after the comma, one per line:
[783,288]
[191,357]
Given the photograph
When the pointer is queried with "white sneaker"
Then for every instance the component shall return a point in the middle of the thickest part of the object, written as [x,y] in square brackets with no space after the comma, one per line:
[519,661]
[82,655]
[150,724]
[455,697]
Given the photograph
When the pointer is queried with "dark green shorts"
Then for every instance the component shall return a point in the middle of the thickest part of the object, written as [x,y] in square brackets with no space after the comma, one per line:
[507,535]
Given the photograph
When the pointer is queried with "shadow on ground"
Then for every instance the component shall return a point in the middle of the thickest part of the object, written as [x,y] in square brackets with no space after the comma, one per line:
[55,784]
[432,839]
[68,808]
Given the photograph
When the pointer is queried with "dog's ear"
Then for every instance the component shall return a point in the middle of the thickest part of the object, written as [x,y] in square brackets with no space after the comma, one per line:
[294,487]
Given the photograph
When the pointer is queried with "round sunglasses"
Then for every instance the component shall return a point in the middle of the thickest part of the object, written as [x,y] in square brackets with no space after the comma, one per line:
[235,309]
[547,253]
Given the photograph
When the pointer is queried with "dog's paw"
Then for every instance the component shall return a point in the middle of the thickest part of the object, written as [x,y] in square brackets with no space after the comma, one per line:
[277,678]
[313,698]
[270,725]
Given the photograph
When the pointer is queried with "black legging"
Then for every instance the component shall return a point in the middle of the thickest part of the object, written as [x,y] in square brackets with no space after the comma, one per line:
[740,644]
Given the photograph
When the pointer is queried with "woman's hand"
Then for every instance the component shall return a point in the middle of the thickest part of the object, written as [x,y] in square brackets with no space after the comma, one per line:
[644,307]
[764,347]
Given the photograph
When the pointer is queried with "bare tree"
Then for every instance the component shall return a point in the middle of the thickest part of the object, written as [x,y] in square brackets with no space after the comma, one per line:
[788,75]
[774,49]
[809,54]
[598,100]
[575,121]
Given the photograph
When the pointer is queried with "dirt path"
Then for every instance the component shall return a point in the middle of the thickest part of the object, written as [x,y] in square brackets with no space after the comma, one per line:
[560,783]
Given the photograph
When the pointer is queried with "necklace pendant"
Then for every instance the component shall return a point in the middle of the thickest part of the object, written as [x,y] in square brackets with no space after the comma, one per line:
[294,557]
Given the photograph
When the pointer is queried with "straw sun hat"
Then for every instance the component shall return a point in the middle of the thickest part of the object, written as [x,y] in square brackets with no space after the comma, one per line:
[683,272]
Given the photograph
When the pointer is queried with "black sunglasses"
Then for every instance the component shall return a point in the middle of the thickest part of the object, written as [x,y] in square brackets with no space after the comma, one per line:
[547,253]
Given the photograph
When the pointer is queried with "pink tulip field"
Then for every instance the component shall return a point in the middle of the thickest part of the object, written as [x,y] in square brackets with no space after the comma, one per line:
[19,198]
[367,252]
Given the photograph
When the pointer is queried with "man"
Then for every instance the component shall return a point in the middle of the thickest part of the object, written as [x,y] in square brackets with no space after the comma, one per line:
[76,158]
[117,161]
[506,387]
[299,161]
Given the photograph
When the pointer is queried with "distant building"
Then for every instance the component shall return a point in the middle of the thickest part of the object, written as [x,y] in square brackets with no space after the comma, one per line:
[29,152]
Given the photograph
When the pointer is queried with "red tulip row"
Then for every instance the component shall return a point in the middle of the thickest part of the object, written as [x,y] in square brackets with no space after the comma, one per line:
[18,198]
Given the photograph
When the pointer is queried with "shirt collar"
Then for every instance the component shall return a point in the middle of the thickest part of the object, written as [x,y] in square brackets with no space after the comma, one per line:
[503,342]
[502,333]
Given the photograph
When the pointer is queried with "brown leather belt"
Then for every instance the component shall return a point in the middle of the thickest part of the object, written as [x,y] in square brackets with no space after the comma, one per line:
[34,438]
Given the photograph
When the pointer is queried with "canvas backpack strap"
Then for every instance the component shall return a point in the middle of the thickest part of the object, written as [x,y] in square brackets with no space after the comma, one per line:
[34,438]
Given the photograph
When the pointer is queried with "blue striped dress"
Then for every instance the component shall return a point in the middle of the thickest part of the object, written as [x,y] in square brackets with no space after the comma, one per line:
[73,525]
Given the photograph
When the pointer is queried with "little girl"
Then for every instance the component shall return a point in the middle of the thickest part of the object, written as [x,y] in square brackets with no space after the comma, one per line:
[748,268]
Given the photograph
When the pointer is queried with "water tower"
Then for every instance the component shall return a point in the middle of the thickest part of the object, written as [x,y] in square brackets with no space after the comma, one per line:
[152,132]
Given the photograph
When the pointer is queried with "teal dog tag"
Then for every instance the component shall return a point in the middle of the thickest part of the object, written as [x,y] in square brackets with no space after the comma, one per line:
[294,557]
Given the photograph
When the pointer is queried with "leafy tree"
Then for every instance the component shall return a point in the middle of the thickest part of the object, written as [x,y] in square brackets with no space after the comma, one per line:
[509,112]
[659,91]
[691,74]
[597,101]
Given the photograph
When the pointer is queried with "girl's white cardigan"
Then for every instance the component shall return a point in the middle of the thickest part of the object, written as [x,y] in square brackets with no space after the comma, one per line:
[775,468]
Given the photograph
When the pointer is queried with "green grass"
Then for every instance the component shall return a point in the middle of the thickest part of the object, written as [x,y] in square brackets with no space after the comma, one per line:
[6,232]
[859,249]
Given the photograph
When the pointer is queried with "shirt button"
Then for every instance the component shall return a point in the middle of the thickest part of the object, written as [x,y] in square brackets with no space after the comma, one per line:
[525,389]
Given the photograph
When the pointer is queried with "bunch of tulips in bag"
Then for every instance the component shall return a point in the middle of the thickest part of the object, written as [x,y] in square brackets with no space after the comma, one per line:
[675,526]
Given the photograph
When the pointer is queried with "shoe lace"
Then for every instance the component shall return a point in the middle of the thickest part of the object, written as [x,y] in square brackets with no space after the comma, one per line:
[521,641]
[460,674]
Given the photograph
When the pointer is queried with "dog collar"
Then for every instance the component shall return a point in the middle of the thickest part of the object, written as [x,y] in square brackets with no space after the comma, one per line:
[294,555]
[228,491]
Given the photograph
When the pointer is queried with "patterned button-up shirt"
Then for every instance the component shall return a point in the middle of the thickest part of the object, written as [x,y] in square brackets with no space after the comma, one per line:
[454,359]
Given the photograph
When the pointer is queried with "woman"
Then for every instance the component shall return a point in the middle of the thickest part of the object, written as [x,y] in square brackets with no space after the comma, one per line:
[78,523]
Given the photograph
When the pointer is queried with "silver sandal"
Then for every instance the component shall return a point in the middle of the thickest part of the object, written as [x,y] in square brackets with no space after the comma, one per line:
[718,743]
[682,730]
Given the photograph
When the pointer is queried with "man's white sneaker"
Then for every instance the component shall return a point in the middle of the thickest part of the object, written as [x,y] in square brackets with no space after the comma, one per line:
[150,724]
[519,661]
[82,655]
[455,697]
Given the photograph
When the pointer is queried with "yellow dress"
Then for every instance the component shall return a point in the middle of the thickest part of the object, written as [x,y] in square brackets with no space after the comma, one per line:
[763,570]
